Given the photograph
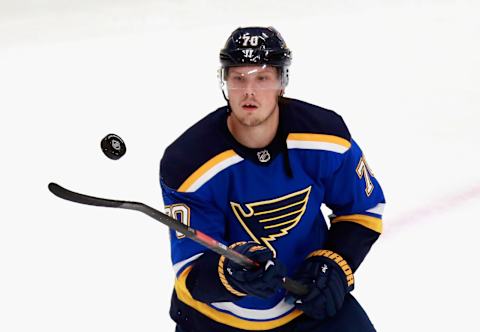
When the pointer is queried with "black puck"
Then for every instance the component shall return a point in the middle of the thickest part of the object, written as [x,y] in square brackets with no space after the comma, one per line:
[113,146]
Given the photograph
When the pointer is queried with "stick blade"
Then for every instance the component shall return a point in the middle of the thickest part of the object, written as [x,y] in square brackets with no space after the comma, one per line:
[72,196]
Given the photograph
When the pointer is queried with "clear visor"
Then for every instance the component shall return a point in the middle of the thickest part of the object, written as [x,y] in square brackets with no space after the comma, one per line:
[251,77]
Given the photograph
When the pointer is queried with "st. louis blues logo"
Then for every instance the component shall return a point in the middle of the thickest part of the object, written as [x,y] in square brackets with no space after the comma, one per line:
[265,221]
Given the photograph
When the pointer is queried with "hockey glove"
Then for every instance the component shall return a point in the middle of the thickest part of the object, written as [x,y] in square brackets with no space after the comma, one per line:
[329,278]
[262,281]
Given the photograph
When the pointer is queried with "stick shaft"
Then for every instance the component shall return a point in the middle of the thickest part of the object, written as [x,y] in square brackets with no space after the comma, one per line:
[195,235]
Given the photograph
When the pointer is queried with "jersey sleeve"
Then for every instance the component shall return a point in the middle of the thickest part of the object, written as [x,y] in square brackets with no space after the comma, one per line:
[356,199]
[197,212]
[196,267]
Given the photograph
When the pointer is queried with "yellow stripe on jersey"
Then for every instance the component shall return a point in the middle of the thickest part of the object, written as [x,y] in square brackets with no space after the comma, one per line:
[319,138]
[205,168]
[224,318]
[375,224]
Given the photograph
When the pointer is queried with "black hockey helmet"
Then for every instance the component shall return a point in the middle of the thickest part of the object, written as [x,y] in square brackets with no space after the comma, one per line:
[255,46]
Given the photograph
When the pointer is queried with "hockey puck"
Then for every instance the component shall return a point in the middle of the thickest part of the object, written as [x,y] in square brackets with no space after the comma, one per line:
[113,146]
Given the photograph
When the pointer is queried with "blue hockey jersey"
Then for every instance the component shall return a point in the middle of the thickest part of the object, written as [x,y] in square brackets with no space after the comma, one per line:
[272,196]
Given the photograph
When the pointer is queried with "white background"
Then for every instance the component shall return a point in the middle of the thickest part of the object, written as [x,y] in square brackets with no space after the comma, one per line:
[403,74]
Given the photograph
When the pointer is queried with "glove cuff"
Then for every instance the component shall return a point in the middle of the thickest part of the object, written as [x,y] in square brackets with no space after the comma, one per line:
[221,272]
[340,262]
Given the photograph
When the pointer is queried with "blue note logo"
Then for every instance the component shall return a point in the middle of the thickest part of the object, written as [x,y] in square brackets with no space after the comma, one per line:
[265,221]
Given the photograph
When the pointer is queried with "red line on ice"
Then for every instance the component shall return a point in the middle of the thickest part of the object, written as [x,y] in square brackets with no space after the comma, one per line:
[433,208]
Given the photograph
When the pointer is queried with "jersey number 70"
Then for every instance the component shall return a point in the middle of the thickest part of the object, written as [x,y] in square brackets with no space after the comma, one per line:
[364,171]
[181,212]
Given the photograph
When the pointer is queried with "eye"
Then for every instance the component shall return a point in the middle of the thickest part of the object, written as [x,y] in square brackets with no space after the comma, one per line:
[236,77]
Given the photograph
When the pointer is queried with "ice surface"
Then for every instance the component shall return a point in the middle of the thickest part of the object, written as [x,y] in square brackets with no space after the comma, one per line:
[405,77]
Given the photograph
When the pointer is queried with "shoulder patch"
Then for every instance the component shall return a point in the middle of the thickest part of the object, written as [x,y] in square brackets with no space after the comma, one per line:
[198,154]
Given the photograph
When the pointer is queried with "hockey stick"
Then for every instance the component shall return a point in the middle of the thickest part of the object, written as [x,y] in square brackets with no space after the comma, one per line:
[195,235]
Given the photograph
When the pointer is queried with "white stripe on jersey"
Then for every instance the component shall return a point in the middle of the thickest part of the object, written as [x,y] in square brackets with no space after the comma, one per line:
[266,314]
[378,209]
[214,171]
[177,267]
[312,145]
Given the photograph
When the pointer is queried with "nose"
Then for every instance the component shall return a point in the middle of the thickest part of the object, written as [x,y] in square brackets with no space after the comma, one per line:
[249,88]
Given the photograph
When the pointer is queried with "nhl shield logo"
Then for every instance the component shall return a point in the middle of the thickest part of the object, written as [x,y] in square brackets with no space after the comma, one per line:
[263,156]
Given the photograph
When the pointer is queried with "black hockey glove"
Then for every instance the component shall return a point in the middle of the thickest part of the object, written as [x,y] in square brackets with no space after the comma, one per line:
[262,281]
[329,278]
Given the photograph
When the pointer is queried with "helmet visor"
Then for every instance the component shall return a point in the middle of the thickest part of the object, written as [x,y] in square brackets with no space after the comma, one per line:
[251,77]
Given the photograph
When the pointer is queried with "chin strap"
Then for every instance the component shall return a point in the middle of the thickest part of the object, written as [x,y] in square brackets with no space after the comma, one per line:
[229,110]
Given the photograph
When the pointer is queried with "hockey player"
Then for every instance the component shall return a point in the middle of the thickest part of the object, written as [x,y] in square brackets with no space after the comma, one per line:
[253,175]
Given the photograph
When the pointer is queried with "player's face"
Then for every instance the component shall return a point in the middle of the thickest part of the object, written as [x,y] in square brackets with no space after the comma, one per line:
[253,93]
